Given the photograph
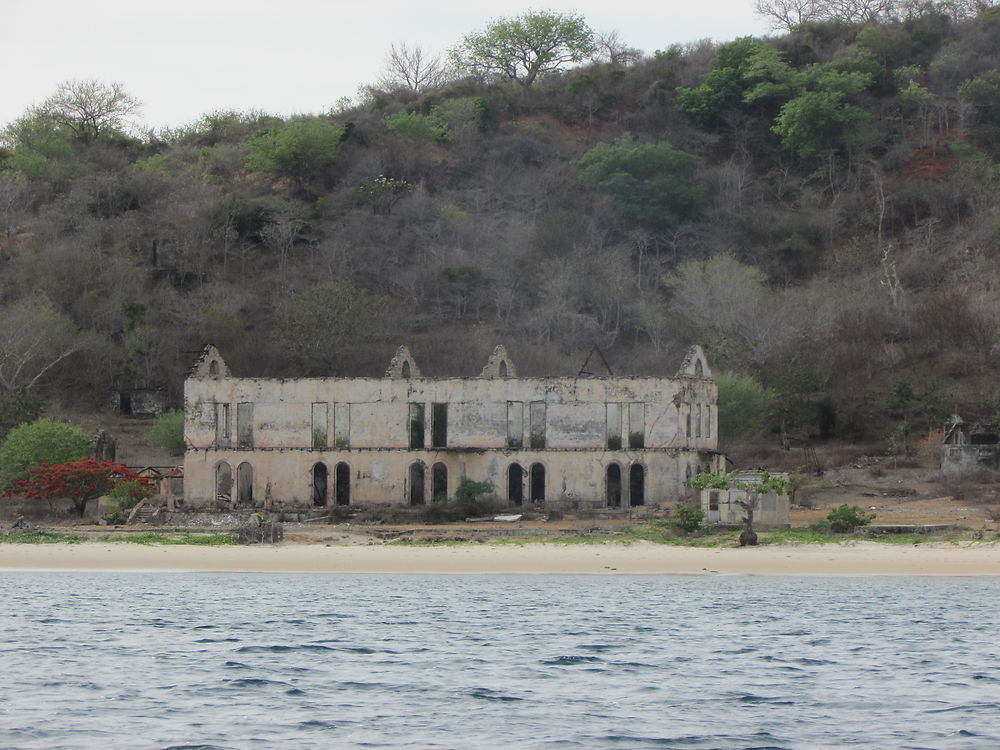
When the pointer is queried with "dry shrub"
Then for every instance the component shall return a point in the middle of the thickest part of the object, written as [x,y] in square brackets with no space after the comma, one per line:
[993,513]
[976,487]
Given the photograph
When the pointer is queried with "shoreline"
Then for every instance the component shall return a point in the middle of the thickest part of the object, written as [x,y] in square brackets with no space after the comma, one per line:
[639,558]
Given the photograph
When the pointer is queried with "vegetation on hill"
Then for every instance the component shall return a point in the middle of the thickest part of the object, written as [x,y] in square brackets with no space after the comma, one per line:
[818,209]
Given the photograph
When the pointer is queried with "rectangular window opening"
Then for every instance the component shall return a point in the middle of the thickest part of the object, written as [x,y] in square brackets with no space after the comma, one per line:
[222,434]
[416,426]
[536,419]
[713,500]
[244,425]
[342,425]
[515,424]
[439,425]
[614,427]
[319,419]
[637,425]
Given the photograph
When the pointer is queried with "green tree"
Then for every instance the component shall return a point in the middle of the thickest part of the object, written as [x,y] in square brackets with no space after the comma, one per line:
[41,441]
[735,70]
[301,149]
[653,183]
[430,128]
[168,432]
[525,47]
[763,483]
[744,405]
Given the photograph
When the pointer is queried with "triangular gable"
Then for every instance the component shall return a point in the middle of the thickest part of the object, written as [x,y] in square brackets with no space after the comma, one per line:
[499,364]
[402,366]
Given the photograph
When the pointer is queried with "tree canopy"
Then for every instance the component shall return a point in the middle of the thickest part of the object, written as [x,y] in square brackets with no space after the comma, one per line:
[653,183]
[526,46]
[41,441]
[301,149]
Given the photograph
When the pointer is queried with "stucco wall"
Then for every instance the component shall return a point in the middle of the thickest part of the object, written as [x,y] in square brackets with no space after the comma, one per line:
[676,429]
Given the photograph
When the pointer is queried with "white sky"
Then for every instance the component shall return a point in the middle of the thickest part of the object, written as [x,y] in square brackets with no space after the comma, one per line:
[184,58]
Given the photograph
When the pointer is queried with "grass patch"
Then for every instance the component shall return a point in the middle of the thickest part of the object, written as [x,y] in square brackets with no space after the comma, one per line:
[200,540]
[37,536]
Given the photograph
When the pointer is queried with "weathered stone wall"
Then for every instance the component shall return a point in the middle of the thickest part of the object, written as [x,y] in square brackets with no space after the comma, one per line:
[573,427]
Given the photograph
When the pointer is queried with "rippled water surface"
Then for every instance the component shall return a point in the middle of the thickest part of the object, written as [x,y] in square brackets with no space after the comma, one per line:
[157,660]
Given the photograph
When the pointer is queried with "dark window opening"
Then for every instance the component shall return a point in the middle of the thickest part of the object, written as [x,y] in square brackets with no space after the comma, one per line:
[244,425]
[536,426]
[319,483]
[224,483]
[713,500]
[515,424]
[636,485]
[439,425]
[416,484]
[439,482]
[614,486]
[515,484]
[416,426]
[244,485]
[537,483]
[406,370]
[503,368]
[342,480]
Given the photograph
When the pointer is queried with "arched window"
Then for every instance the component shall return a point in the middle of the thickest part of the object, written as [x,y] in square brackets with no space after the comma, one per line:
[319,484]
[699,371]
[213,368]
[244,484]
[406,370]
[502,369]
[224,482]
[439,482]
[342,484]
[636,485]
[613,486]
[416,483]
[537,483]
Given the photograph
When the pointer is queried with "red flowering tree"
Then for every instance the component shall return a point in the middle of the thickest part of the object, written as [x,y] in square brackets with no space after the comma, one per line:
[80,481]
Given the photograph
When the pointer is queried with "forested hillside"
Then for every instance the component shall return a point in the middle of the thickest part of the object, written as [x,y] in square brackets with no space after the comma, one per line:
[818,209]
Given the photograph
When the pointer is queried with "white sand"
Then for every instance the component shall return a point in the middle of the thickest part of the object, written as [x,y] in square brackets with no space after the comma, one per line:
[860,558]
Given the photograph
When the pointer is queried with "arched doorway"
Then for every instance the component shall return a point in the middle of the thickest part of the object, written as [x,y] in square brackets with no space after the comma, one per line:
[537,483]
[342,484]
[224,483]
[636,485]
[439,482]
[416,484]
[613,486]
[319,484]
[244,485]
[515,484]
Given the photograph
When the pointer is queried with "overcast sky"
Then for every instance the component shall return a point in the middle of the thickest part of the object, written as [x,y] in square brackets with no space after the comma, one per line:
[183,58]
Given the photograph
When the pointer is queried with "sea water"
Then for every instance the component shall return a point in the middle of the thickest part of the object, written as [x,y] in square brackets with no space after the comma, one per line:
[177,660]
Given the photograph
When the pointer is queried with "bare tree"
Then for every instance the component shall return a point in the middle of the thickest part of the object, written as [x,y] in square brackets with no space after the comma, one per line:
[89,108]
[34,338]
[13,202]
[612,48]
[411,68]
[788,14]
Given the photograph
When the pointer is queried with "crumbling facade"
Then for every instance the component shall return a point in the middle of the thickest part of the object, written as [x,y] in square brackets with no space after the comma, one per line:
[408,439]
[969,447]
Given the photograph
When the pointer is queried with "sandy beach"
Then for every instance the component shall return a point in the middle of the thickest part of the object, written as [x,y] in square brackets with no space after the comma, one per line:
[857,558]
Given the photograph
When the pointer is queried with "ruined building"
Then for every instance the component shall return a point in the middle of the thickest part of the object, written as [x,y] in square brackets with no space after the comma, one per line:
[408,439]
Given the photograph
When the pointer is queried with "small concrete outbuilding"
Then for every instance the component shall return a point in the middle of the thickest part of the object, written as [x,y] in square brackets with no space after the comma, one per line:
[722,507]
[968,447]
[408,439]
